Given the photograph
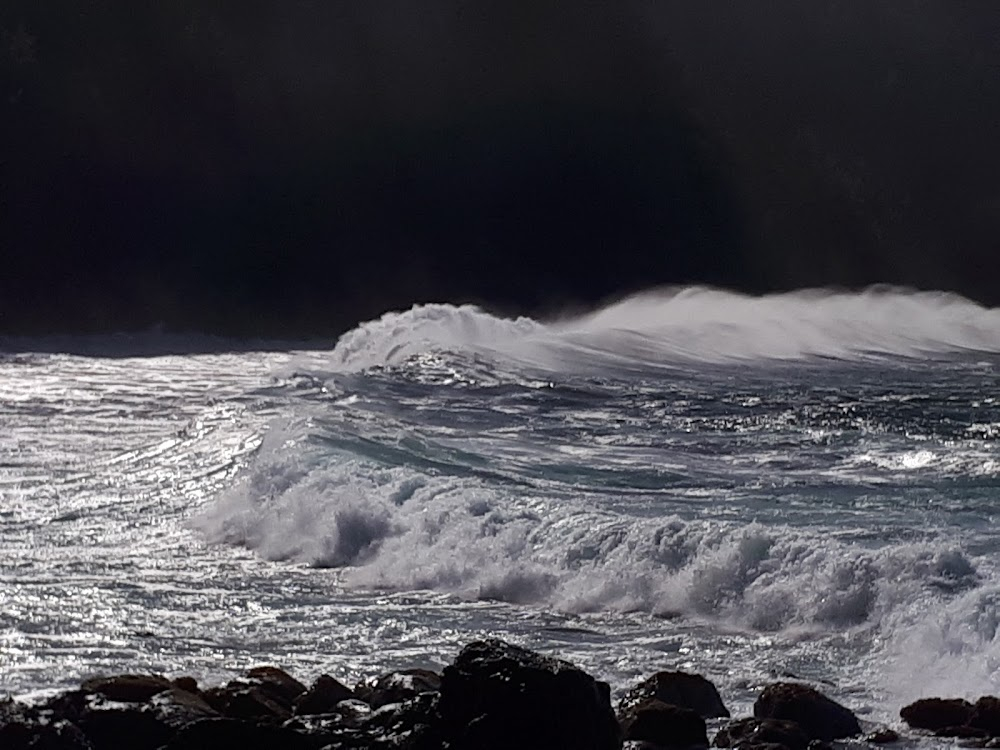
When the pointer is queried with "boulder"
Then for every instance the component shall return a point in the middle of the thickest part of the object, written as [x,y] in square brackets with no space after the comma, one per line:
[663,724]
[882,736]
[962,731]
[397,687]
[146,725]
[212,734]
[127,688]
[179,707]
[820,717]
[680,689]
[936,713]
[324,694]
[414,723]
[114,726]
[238,700]
[754,732]
[277,683]
[496,695]
[190,684]
[26,727]
[986,715]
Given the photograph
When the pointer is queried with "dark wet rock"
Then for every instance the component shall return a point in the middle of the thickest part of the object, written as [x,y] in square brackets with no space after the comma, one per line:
[397,687]
[26,727]
[820,717]
[317,725]
[69,705]
[680,689]
[353,712]
[496,695]
[324,694]
[213,734]
[146,724]
[127,688]
[664,724]
[179,707]
[415,723]
[277,683]
[190,684]
[754,732]
[113,726]
[962,731]
[349,714]
[819,745]
[936,713]
[411,725]
[882,736]
[238,700]
[986,715]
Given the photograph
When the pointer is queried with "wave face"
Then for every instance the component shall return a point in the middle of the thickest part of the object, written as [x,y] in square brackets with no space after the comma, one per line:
[809,468]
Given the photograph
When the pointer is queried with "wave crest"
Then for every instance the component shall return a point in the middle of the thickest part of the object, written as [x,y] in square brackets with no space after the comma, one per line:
[693,324]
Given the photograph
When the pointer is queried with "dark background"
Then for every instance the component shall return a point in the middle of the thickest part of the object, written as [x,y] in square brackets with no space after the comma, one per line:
[290,167]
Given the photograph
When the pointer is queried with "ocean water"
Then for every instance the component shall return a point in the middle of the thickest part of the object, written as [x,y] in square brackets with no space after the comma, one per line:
[801,485]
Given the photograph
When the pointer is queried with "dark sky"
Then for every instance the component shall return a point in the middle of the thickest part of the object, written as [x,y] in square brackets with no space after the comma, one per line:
[289,168]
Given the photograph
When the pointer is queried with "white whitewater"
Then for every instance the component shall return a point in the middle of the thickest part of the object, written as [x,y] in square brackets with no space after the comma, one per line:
[749,487]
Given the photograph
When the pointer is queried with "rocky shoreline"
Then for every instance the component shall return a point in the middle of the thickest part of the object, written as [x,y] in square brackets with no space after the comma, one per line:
[494,695]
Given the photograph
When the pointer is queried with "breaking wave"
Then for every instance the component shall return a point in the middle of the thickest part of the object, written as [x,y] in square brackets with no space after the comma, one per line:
[693,324]
[434,457]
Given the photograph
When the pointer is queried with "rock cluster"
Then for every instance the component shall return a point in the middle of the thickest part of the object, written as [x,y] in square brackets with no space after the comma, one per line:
[494,695]
[956,717]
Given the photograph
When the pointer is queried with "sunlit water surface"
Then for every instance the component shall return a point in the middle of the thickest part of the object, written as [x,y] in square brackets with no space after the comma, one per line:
[798,486]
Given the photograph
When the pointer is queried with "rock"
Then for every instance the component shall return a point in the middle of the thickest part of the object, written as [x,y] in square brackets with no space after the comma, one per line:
[238,700]
[26,727]
[936,713]
[680,689]
[179,707]
[664,724]
[753,732]
[277,683]
[325,693]
[986,715]
[414,723]
[104,722]
[127,688]
[189,684]
[69,705]
[107,725]
[212,734]
[819,717]
[963,731]
[496,695]
[882,736]
[353,712]
[397,687]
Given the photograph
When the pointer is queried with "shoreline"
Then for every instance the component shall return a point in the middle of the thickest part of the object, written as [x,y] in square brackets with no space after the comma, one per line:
[492,695]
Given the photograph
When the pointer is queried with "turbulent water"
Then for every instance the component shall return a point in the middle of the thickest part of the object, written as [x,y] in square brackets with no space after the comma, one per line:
[798,485]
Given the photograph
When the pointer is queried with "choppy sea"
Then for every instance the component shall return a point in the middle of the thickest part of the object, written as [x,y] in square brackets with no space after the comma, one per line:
[794,486]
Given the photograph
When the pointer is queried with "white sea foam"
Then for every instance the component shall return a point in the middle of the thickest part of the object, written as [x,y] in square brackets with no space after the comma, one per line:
[949,649]
[685,325]
[399,530]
